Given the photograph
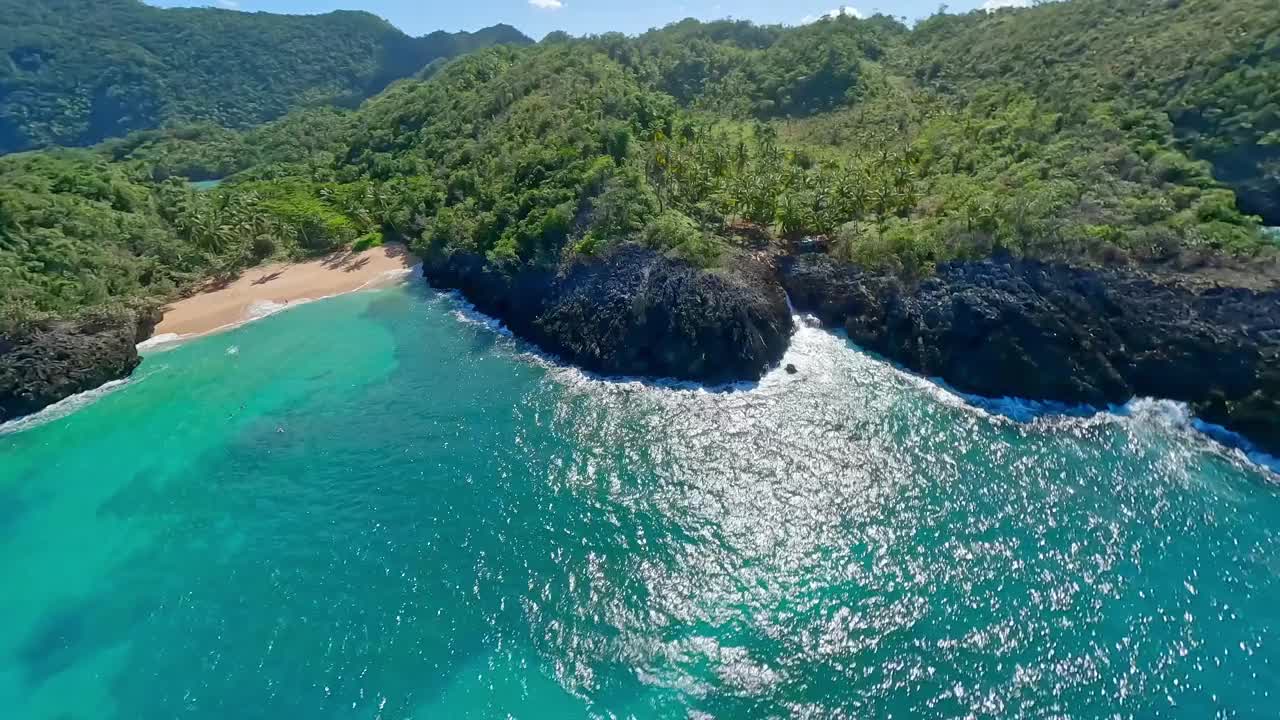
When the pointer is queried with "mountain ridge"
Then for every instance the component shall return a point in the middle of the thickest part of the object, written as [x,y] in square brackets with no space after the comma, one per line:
[76,72]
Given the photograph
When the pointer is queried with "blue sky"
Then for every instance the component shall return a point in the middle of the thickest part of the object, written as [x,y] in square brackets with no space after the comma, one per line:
[538,17]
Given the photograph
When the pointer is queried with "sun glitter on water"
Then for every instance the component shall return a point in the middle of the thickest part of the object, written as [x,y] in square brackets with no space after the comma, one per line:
[372,509]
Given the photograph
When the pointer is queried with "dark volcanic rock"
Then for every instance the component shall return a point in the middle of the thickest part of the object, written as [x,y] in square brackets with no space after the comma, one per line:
[43,364]
[1053,332]
[636,312]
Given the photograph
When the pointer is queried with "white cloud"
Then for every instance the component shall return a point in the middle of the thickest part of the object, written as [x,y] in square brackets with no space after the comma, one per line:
[227,4]
[992,5]
[842,11]
[547,4]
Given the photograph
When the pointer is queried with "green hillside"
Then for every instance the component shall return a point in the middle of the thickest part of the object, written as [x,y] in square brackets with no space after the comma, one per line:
[1210,67]
[968,136]
[74,72]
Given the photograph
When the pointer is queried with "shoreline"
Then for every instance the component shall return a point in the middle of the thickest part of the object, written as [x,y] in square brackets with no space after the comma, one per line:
[267,289]
[1023,411]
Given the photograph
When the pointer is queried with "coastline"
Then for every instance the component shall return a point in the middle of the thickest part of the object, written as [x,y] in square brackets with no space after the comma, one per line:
[267,289]
[1050,416]
[1064,334]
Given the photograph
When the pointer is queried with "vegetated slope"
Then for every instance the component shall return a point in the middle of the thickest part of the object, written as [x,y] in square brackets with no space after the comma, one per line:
[618,199]
[1211,67]
[525,157]
[703,136]
[701,140]
[74,72]
[78,232]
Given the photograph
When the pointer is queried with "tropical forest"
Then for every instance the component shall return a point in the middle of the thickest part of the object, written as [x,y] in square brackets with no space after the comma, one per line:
[1030,132]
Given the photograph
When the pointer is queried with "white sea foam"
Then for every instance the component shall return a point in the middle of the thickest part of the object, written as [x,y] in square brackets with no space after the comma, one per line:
[813,347]
[807,321]
[466,312]
[387,277]
[159,341]
[259,309]
[62,408]
[1143,413]
[1168,414]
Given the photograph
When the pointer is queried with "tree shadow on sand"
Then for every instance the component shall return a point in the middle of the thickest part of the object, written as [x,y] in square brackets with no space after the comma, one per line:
[268,278]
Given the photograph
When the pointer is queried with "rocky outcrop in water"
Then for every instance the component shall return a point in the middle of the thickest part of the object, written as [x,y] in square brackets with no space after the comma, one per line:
[49,361]
[636,312]
[1053,332]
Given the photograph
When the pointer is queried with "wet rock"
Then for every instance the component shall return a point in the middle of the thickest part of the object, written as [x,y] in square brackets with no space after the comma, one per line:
[1053,332]
[46,362]
[636,312]
[791,369]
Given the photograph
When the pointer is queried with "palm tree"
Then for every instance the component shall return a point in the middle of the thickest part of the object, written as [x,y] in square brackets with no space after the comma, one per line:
[660,166]
[767,137]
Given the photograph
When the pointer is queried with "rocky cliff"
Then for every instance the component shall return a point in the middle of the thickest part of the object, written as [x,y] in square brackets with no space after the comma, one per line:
[995,328]
[46,362]
[636,312]
[1053,332]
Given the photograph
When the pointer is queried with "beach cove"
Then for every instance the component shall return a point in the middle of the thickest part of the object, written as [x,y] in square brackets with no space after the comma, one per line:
[430,519]
[268,288]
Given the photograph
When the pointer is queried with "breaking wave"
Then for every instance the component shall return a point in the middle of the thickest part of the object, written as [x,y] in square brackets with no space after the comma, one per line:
[62,408]
[820,354]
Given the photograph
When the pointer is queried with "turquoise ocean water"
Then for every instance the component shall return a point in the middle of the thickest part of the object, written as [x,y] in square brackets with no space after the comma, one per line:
[376,506]
[202,185]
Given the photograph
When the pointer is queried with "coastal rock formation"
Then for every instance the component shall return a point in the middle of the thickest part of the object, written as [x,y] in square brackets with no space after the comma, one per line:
[44,363]
[1053,332]
[636,312]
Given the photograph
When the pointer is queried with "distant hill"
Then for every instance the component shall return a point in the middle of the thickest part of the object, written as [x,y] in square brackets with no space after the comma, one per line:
[1211,67]
[74,72]
[1093,131]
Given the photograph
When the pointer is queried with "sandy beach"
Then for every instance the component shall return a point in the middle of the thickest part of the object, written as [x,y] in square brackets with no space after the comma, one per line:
[263,289]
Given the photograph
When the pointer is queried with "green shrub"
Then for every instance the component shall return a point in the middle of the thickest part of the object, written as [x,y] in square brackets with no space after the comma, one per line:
[589,245]
[670,229]
[674,233]
[367,241]
[263,247]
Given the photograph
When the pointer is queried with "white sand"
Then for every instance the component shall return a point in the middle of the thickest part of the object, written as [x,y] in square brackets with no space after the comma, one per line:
[267,288]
